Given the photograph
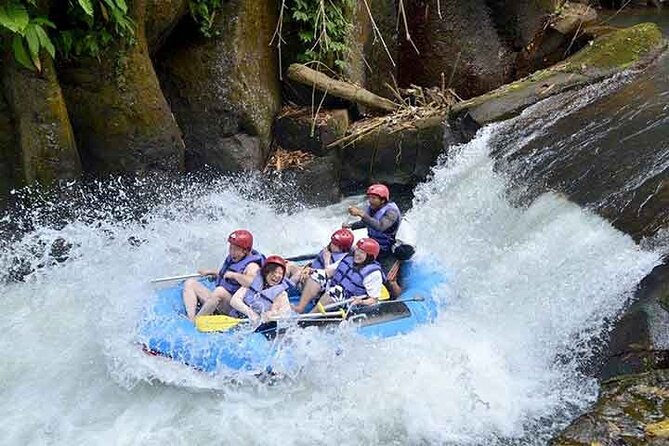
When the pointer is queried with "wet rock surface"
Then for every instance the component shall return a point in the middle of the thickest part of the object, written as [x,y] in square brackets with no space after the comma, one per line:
[294,127]
[632,410]
[46,145]
[609,54]
[225,91]
[121,120]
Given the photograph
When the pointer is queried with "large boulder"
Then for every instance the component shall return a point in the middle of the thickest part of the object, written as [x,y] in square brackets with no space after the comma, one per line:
[297,129]
[391,153]
[631,410]
[372,63]
[640,340]
[520,22]
[161,18]
[9,162]
[608,54]
[460,48]
[120,117]
[225,91]
[41,125]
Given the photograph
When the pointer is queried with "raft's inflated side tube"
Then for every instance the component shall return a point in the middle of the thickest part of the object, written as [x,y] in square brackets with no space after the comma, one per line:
[164,330]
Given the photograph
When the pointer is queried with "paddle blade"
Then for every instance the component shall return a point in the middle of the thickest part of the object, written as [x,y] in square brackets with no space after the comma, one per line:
[218,322]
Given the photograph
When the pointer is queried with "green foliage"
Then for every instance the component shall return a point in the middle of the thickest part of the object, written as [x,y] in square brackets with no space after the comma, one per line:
[28,33]
[203,13]
[85,29]
[323,27]
[91,26]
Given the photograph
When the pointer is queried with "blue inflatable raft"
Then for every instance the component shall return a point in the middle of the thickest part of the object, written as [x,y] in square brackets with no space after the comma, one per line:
[164,329]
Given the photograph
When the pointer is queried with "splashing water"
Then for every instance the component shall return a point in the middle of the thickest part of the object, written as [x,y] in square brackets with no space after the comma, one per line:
[531,290]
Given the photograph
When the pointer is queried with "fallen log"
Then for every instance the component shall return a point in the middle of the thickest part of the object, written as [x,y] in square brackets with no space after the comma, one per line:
[345,90]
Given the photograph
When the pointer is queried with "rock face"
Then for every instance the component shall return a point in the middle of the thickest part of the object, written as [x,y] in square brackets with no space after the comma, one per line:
[608,54]
[632,410]
[447,51]
[640,340]
[120,117]
[41,125]
[161,18]
[293,129]
[370,64]
[225,91]
[9,162]
[392,155]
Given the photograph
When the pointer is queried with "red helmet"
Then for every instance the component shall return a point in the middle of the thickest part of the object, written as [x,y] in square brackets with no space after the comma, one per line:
[241,238]
[343,238]
[379,190]
[275,260]
[370,246]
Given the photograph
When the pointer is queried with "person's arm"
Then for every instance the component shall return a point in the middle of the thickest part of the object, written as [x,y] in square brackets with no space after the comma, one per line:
[389,218]
[245,279]
[373,284]
[357,225]
[237,302]
[207,272]
[330,270]
[280,307]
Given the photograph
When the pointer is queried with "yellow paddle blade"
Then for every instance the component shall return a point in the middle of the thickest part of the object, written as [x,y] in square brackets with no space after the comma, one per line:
[217,322]
[385,294]
[320,308]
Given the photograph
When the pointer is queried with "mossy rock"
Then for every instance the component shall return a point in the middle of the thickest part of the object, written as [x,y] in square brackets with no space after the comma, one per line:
[616,51]
[9,160]
[161,18]
[608,54]
[225,90]
[293,129]
[120,117]
[44,140]
[393,155]
[631,410]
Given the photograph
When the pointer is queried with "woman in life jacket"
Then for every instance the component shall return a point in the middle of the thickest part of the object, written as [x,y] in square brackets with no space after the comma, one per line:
[358,276]
[340,244]
[238,269]
[266,295]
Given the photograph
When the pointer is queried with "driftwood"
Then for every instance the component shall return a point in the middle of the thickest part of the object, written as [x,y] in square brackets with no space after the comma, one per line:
[305,75]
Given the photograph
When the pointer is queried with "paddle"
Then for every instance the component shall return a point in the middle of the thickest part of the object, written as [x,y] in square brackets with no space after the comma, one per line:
[188,276]
[323,308]
[219,323]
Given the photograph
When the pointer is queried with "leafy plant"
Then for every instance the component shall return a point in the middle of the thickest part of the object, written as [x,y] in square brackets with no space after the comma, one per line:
[28,34]
[203,13]
[90,26]
[323,27]
[85,29]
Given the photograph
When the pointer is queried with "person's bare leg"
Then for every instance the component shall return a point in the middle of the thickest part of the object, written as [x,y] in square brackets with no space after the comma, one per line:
[194,291]
[326,299]
[311,290]
[216,298]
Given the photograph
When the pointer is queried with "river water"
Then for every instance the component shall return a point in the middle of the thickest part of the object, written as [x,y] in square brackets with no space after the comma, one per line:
[531,290]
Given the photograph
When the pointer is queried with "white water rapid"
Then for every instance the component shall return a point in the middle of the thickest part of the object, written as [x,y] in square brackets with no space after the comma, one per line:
[529,295]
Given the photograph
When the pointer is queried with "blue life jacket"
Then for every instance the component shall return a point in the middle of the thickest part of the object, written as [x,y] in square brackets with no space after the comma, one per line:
[319,262]
[385,238]
[351,277]
[260,299]
[237,267]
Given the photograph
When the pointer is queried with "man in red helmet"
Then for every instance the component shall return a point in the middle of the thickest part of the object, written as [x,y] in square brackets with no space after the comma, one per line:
[382,219]
[238,270]
[358,275]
